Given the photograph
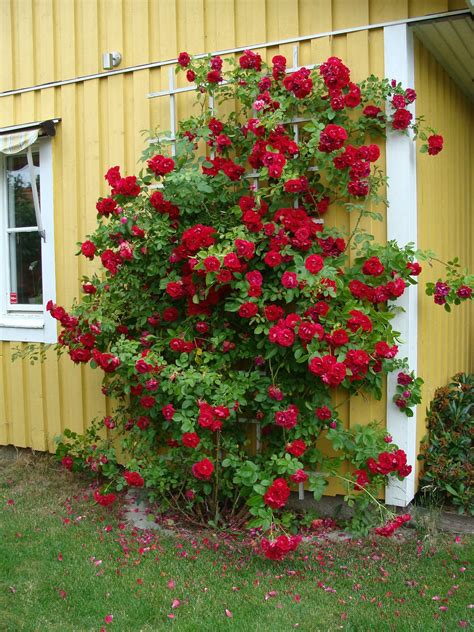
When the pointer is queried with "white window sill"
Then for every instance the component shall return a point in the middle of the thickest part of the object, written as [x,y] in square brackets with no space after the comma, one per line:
[27,328]
[22,321]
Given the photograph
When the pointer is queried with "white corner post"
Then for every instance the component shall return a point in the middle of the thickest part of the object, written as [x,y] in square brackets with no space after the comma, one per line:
[402,227]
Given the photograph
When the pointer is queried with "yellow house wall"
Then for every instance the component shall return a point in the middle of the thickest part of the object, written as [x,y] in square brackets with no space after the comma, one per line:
[445,225]
[47,40]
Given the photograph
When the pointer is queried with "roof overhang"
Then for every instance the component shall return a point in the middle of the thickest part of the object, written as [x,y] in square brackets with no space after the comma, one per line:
[451,41]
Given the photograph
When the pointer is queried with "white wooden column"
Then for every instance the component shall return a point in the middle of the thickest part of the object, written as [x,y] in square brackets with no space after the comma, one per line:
[402,226]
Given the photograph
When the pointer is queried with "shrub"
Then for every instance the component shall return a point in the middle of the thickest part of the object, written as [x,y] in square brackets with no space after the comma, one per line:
[448,463]
[228,313]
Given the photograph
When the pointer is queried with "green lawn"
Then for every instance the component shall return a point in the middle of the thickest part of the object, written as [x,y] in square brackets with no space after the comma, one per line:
[65,564]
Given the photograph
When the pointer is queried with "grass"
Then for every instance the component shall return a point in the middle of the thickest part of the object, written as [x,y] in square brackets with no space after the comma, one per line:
[65,564]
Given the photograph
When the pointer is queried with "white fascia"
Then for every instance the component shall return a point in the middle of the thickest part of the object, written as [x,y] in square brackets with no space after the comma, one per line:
[402,227]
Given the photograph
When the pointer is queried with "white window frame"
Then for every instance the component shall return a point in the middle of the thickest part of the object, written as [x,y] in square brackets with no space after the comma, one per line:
[29,323]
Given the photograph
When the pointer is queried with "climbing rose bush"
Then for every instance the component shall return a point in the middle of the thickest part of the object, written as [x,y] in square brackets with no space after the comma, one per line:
[229,309]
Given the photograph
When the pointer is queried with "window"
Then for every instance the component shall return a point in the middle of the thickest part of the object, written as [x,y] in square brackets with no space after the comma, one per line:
[27,276]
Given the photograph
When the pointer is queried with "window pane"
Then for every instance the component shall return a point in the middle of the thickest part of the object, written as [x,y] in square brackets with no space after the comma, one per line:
[21,210]
[25,268]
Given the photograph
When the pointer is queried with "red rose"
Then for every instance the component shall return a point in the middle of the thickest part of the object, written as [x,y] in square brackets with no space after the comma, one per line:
[299,83]
[352,98]
[184,59]
[404,379]
[190,76]
[307,330]
[435,144]
[147,401]
[250,60]
[358,188]
[283,336]
[275,393]
[89,288]
[331,138]
[175,290]
[126,186]
[399,101]
[113,175]
[88,249]
[323,413]
[314,264]
[104,499]
[202,327]
[296,448]
[245,249]
[373,267]
[415,268]
[143,422]
[299,476]
[359,320]
[224,276]
[383,350]
[287,418]
[362,479]
[168,412]
[254,277]
[160,165]
[106,206]
[142,367]
[80,355]
[277,494]
[371,111]
[231,261]
[190,440]
[335,73]
[203,470]
[338,338]
[67,462]
[133,479]
[211,264]
[273,258]
[170,314]
[289,280]
[464,291]
[273,312]
[297,185]
[401,119]
[248,310]
[214,76]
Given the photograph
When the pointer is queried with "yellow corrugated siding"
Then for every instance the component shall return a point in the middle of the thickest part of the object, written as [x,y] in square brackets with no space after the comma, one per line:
[101,123]
[50,40]
[445,224]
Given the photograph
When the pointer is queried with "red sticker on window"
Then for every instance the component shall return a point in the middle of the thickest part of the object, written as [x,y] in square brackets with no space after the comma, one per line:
[13,298]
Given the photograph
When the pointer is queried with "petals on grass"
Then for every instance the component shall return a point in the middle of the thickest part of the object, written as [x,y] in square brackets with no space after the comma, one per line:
[228,613]
[108,618]
[176,603]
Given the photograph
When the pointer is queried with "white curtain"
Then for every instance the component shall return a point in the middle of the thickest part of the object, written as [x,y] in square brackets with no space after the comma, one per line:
[13,144]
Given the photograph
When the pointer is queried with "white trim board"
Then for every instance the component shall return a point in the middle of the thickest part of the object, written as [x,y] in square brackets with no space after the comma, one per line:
[402,226]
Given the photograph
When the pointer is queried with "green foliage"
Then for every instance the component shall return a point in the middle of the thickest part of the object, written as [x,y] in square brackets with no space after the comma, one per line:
[448,456]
